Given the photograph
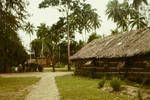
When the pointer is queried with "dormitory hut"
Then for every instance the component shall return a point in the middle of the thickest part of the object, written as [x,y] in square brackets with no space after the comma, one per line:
[126,54]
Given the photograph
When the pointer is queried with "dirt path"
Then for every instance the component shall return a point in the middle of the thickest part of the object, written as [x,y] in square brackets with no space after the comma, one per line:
[45,89]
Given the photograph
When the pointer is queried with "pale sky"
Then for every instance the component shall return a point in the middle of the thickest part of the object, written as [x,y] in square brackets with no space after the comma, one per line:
[50,16]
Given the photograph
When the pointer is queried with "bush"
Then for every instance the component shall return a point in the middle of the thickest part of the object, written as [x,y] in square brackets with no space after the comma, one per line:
[13,69]
[31,67]
[101,83]
[20,69]
[115,83]
[40,68]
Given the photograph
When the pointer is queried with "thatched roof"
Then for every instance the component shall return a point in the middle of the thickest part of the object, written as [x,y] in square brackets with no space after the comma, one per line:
[126,44]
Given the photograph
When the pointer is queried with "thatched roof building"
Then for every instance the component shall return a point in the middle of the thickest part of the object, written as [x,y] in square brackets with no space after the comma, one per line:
[127,44]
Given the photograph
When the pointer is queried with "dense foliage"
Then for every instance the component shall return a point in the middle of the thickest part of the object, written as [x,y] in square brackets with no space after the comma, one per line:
[36,46]
[78,16]
[127,15]
[93,36]
[51,43]
[12,15]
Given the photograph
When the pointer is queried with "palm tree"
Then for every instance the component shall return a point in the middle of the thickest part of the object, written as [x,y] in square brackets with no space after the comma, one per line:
[113,10]
[95,21]
[85,19]
[36,46]
[138,21]
[29,28]
[52,41]
[124,14]
[118,13]
[90,18]
[80,20]
[137,3]
[65,8]
[42,31]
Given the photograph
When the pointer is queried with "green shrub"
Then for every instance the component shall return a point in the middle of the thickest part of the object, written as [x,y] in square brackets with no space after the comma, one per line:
[32,67]
[13,69]
[40,68]
[101,83]
[115,83]
[20,69]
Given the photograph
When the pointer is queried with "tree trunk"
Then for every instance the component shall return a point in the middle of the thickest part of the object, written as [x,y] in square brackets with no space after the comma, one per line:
[85,36]
[68,47]
[53,67]
[42,48]
[53,60]
[30,48]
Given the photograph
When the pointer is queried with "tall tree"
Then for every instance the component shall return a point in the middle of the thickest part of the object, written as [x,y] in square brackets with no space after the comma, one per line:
[12,15]
[42,31]
[145,11]
[113,10]
[75,46]
[29,28]
[126,16]
[119,13]
[138,21]
[75,12]
[36,46]
[85,19]
[65,6]
[52,41]
[11,51]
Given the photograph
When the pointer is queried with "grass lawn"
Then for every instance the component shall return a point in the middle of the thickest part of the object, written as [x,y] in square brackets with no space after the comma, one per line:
[80,88]
[15,88]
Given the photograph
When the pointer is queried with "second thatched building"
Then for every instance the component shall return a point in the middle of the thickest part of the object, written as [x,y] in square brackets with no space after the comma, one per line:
[127,52]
